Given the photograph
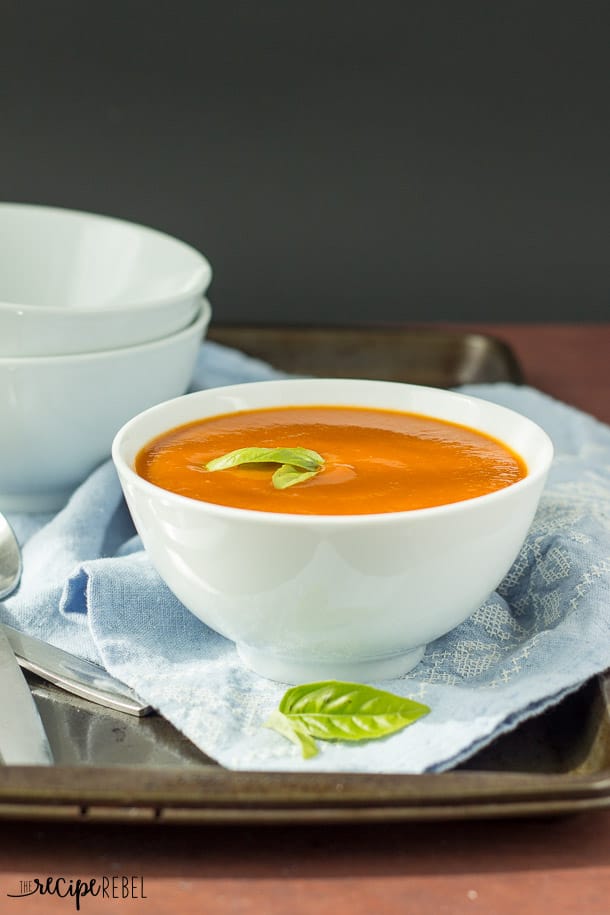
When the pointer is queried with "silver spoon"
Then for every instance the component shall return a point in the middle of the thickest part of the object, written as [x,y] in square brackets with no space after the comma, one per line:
[65,670]
[10,559]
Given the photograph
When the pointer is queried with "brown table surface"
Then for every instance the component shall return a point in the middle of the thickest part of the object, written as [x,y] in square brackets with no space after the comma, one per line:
[554,865]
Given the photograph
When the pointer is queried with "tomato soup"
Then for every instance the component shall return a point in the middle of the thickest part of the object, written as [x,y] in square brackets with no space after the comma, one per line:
[374,460]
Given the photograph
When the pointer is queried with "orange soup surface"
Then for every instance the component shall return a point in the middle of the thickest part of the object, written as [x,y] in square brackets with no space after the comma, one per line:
[374,460]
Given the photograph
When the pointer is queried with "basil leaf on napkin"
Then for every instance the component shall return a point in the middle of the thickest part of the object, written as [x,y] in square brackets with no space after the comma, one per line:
[293,731]
[332,710]
[297,464]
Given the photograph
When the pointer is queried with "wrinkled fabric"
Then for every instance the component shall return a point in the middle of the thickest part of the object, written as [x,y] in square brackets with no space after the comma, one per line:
[89,587]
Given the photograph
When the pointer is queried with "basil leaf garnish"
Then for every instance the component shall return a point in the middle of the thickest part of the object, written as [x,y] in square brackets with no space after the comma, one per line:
[331,710]
[297,457]
[287,475]
[296,464]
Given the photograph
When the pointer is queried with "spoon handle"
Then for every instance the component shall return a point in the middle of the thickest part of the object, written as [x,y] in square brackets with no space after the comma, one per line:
[74,674]
[10,559]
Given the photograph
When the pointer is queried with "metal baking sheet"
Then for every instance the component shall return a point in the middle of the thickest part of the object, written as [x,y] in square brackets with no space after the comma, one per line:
[113,767]
[419,356]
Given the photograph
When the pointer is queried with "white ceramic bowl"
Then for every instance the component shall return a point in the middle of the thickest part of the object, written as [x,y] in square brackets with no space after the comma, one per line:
[353,597]
[73,282]
[58,414]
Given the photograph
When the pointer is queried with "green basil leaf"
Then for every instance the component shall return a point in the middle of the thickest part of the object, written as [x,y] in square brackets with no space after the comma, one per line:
[332,710]
[287,475]
[304,458]
[294,732]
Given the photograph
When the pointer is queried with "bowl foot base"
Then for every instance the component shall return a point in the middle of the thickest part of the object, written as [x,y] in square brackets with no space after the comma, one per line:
[290,670]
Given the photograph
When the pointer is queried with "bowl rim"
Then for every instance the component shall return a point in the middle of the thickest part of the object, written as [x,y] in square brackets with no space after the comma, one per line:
[248,515]
[196,325]
[198,284]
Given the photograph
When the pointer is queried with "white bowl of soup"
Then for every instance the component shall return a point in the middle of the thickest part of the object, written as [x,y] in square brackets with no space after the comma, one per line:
[417,511]
[59,414]
[74,282]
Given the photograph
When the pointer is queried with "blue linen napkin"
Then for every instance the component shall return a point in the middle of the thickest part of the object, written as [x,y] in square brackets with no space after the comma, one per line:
[89,587]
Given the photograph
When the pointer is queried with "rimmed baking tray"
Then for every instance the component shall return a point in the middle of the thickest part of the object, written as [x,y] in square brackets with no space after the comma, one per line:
[112,767]
[420,356]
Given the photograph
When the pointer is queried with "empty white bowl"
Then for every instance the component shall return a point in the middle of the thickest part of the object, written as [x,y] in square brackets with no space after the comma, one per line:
[73,282]
[354,597]
[58,414]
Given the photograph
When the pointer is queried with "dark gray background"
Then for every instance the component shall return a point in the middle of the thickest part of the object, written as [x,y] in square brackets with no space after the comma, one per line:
[336,161]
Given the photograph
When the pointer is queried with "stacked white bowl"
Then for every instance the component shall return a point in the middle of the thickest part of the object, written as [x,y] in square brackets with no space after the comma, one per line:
[99,319]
